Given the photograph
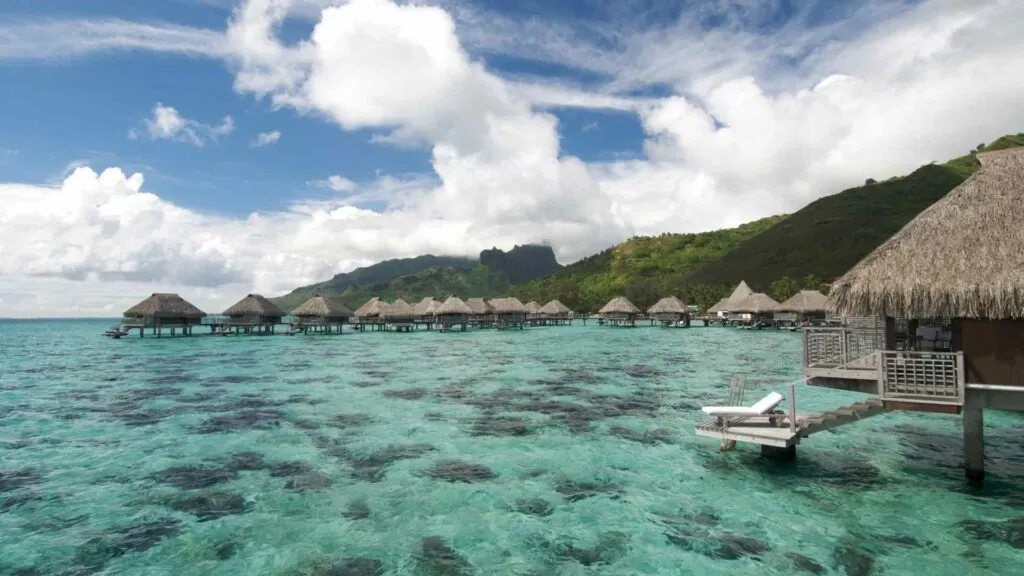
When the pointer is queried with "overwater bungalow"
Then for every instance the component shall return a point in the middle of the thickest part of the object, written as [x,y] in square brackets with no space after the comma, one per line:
[452,312]
[253,314]
[555,313]
[425,307]
[532,309]
[756,310]
[423,312]
[724,308]
[619,312]
[670,311]
[371,314]
[508,313]
[321,314]
[804,307]
[955,269]
[162,311]
[482,312]
[399,316]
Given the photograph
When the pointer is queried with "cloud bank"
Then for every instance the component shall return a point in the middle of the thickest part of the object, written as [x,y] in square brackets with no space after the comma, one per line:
[740,136]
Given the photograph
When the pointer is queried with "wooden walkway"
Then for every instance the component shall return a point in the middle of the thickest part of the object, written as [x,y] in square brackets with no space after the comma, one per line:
[775,429]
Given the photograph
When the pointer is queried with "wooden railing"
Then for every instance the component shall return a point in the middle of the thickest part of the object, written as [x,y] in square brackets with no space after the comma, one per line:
[933,377]
[841,347]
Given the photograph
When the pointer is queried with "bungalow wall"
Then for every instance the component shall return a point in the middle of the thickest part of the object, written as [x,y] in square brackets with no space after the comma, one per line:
[993,351]
[148,321]
[255,319]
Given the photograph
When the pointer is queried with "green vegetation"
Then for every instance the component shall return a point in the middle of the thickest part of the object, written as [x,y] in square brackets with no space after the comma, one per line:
[779,255]
[438,276]
[435,282]
[644,269]
[832,234]
[377,275]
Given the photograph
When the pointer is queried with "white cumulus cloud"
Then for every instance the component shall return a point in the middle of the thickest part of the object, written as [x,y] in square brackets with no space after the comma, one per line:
[741,136]
[264,139]
[166,123]
[337,183]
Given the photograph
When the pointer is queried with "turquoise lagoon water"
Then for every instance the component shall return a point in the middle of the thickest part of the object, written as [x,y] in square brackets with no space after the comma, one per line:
[547,451]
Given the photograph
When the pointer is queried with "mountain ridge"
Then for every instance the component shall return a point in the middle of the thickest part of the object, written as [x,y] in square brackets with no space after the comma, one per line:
[779,254]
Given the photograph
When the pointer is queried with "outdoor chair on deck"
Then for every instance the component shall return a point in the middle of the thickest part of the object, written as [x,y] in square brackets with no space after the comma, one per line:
[733,414]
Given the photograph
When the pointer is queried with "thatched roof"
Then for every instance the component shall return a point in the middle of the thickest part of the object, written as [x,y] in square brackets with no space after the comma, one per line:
[479,306]
[756,303]
[508,306]
[962,257]
[399,309]
[323,307]
[164,305]
[619,305]
[803,302]
[720,306]
[532,307]
[453,306]
[554,307]
[425,307]
[254,305]
[738,295]
[374,307]
[670,305]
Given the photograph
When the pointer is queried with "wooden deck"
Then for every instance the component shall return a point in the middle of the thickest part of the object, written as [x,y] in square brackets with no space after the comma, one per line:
[775,429]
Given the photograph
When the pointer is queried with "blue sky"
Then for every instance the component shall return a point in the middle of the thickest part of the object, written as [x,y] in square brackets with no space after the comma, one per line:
[395,129]
[79,110]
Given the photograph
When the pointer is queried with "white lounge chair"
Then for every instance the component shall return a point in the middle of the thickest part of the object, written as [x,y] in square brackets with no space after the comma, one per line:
[763,406]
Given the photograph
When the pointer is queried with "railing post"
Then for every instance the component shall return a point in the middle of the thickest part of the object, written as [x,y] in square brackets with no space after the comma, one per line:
[792,407]
[880,372]
[842,347]
[961,379]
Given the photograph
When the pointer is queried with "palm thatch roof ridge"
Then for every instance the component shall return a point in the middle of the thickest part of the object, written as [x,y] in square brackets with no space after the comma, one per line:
[254,305]
[720,306]
[962,257]
[479,306]
[508,306]
[554,307]
[756,303]
[805,301]
[738,295]
[453,306]
[399,309]
[668,305]
[165,305]
[373,308]
[532,307]
[425,307]
[619,305]
[322,307]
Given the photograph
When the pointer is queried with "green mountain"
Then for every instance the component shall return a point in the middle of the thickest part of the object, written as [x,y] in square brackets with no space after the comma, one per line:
[377,275]
[438,276]
[778,255]
[830,235]
[643,269]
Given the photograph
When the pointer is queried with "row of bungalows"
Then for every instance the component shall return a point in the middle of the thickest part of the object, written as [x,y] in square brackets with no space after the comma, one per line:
[253,314]
[747,308]
[168,313]
[669,311]
[499,313]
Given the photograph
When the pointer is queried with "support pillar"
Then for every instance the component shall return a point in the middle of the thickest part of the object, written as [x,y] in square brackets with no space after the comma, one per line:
[974,441]
[787,454]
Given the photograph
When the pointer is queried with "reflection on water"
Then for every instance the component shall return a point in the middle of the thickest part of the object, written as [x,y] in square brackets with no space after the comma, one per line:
[547,451]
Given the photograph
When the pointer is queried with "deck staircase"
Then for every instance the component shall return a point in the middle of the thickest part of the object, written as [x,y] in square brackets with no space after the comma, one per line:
[840,416]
